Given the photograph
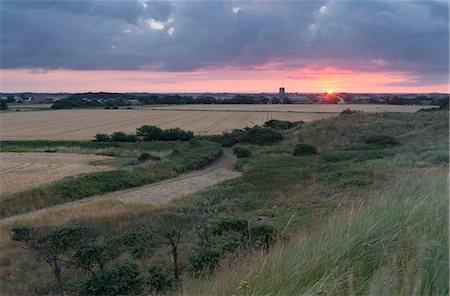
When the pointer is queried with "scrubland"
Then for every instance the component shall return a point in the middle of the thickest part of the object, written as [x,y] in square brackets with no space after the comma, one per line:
[366,214]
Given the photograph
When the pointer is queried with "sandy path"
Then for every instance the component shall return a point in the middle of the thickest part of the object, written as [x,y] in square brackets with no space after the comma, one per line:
[156,193]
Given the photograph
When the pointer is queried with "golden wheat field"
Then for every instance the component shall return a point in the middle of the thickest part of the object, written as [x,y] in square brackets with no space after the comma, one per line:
[201,119]
[19,171]
[85,124]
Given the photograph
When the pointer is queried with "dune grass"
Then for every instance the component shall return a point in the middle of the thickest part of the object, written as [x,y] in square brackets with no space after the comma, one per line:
[396,243]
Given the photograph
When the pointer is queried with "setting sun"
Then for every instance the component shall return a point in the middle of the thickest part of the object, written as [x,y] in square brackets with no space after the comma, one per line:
[330,92]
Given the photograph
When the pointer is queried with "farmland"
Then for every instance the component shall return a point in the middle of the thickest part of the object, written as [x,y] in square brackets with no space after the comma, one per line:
[214,119]
[19,171]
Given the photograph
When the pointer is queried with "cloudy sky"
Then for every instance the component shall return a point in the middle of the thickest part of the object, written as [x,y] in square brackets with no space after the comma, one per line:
[224,46]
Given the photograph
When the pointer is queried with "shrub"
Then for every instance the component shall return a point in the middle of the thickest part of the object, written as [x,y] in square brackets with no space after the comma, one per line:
[242,151]
[160,280]
[281,124]
[304,149]
[262,235]
[102,138]
[223,225]
[206,257]
[382,140]
[149,133]
[348,111]
[123,137]
[147,156]
[174,134]
[262,135]
[121,279]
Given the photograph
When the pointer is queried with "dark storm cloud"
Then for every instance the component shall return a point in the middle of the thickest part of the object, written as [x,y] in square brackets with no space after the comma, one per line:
[187,35]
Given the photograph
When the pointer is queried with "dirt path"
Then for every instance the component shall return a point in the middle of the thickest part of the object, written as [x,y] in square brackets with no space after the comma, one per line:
[157,193]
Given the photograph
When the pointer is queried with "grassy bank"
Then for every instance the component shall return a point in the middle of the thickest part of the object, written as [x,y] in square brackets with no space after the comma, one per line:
[186,156]
[395,243]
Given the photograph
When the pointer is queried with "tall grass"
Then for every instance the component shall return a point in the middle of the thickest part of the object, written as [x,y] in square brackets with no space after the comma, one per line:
[396,243]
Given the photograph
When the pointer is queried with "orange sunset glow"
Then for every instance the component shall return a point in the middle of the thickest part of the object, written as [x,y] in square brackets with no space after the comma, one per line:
[222,80]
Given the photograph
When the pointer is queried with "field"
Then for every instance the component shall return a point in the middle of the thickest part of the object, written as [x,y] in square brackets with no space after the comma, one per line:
[85,124]
[302,108]
[19,171]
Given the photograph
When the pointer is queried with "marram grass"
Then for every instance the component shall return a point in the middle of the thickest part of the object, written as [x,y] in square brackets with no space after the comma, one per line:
[395,243]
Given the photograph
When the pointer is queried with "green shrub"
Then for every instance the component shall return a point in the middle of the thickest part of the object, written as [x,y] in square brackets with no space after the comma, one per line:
[160,280]
[241,151]
[147,156]
[382,140]
[262,135]
[348,111]
[220,226]
[176,134]
[102,138]
[121,279]
[123,137]
[304,149]
[149,133]
[281,124]
[262,235]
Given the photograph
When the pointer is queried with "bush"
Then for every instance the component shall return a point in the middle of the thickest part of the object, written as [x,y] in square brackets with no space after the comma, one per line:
[382,140]
[149,133]
[160,280]
[223,225]
[102,138]
[147,156]
[175,134]
[123,137]
[262,135]
[121,279]
[242,151]
[262,235]
[304,149]
[281,124]
[348,111]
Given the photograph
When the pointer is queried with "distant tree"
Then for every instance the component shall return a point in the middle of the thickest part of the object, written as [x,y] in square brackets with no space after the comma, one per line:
[3,105]
[10,99]
[123,137]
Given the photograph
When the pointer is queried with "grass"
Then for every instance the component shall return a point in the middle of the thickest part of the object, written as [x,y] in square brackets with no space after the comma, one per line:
[395,243]
[191,156]
[392,238]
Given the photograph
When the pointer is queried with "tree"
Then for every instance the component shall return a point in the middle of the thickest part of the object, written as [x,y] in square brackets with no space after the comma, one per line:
[10,99]
[170,226]
[3,105]
[52,244]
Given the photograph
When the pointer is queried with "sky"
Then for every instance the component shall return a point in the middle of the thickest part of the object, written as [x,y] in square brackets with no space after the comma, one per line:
[224,46]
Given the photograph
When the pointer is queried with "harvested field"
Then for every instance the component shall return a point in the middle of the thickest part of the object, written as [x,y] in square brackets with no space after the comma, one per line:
[19,171]
[303,108]
[85,124]
[214,119]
